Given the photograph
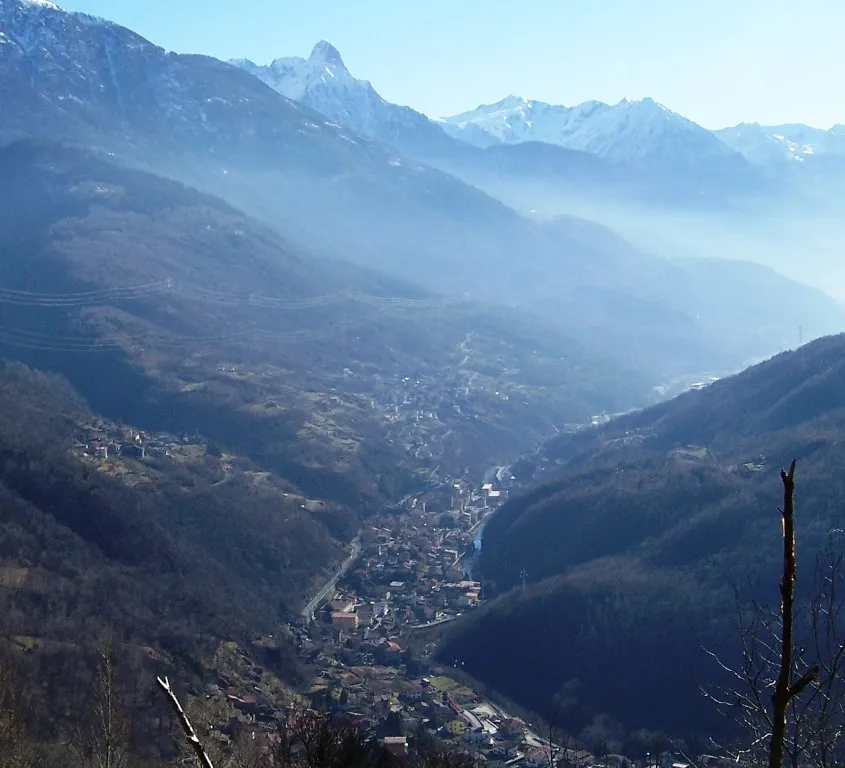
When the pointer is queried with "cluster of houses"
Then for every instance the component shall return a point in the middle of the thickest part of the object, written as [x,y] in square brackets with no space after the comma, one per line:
[102,440]
[412,574]
[375,682]
[415,565]
[415,408]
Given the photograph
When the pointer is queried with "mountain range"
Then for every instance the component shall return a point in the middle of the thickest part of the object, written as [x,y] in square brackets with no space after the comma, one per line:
[770,145]
[315,302]
[764,193]
[639,132]
[636,131]
[85,81]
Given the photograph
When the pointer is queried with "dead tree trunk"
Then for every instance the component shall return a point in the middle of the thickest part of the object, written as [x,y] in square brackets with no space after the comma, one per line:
[190,734]
[785,689]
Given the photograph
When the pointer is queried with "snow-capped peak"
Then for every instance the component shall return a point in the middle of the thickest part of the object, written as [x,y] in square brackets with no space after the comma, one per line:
[627,131]
[511,102]
[295,77]
[48,4]
[326,53]
[322,83]
[645,105]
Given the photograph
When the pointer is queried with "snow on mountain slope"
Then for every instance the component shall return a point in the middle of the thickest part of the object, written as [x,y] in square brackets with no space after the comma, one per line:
[761,146]
[816,141]
[778,144]
[469,133]
[83,80]
[630,131]
[323,83]
[319,78]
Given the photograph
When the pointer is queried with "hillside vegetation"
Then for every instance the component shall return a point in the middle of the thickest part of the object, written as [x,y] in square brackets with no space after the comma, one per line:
[202,319]
[91,83]
[155,553]
[633,545]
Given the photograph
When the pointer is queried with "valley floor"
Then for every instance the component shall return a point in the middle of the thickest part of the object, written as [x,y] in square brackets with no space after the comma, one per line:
[368,633]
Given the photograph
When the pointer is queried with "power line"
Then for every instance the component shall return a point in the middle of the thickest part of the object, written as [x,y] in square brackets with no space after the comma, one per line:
[29,298]
[174,288]
[31,339]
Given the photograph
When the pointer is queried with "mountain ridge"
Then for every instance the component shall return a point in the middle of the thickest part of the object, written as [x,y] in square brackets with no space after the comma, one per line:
[630,131]
[323,83]
[216,127]
[327,86]
[198,289]
[640,132]
[635,534]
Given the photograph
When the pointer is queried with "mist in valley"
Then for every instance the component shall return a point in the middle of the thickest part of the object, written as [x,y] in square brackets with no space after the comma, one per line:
[278,355]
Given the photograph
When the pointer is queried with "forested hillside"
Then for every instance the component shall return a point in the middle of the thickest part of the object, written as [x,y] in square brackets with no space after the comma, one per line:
[153,553]
[633,545]
[170,309]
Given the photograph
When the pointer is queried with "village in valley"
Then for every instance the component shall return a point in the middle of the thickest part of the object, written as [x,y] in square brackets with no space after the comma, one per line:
[367,634]
[370,636]
[369,639]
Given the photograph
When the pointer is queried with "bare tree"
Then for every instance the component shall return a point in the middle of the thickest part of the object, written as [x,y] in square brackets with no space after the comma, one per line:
[559,748]
[817,722]
[105,740]
[16,749]
[788,696]
[787,687]
[185,723]
[311,740]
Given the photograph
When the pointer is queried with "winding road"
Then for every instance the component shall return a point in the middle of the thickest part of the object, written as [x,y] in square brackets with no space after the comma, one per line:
[313,604]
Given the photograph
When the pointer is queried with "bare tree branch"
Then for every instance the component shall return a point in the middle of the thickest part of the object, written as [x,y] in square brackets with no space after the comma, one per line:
[193,740]
[782,696]
[790,680]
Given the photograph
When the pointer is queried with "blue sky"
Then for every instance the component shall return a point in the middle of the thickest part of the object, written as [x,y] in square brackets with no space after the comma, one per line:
[717,62]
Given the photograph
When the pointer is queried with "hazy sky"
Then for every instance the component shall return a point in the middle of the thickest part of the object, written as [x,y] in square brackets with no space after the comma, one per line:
[717,62]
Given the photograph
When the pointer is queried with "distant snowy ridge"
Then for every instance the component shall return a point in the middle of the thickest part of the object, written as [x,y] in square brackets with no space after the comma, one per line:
[630,131]
[44,3]
[794,143]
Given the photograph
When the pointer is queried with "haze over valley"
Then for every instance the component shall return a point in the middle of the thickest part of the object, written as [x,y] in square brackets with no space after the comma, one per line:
[448,437]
